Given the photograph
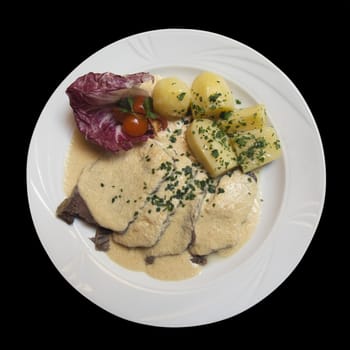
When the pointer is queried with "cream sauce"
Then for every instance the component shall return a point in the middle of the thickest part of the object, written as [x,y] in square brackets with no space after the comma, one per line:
[246,230]
[173,268]
[80,154]
[169,268]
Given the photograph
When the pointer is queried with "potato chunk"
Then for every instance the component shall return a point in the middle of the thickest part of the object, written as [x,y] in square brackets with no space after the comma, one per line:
[211,147]
[255,148]
[243,119]
[211,96]
[171,98]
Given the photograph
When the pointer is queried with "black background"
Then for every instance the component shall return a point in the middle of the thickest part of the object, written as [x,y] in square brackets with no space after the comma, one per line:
[304,45]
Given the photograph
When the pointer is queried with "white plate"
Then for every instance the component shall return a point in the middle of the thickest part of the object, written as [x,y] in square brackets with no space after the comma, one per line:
[293,187]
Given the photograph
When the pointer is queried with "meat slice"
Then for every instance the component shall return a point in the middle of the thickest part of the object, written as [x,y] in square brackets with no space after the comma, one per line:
[178,234]
[72,207]
[148,225]
[102,239]
[115,187]
[223,212]
[152,222]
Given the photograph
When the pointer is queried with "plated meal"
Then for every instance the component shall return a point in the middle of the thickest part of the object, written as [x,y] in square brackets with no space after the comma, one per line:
[166,171]
[75,138]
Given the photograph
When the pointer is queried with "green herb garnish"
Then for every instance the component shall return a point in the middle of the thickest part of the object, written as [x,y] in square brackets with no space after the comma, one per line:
[181,96]
[225,115]
[147,104]
[215,153]
[214,97]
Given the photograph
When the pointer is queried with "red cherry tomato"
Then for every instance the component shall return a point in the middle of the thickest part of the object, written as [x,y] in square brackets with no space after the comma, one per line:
[119,115]
[138,106]
[135,125]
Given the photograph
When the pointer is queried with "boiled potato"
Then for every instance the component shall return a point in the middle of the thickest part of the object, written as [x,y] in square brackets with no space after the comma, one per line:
[171,98]
[243,119]
[211,96]
[255,148]
[211,147]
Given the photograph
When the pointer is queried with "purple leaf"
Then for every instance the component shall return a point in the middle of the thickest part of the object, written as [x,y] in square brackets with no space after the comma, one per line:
[92,98]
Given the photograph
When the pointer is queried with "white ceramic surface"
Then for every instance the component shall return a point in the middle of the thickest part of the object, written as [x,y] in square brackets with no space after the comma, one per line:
[293,187]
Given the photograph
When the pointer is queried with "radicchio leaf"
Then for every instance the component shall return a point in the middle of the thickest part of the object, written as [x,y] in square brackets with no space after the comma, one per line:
[92,98]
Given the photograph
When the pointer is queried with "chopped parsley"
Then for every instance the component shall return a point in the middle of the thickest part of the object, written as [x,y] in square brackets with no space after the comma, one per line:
[201,130]
[225,115]
[187,170]
[277,144]
[172,138]
[147,104]
[181,96]
[242,140]
[260,142]
[166,166]
[211,188]
[197,110]
[213,97]
[215,153]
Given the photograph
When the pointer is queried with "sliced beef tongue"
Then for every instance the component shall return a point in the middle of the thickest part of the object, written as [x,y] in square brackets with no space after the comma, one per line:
[102,239]
[176,237]
[222,214]
[178,234]
[153,220]
[110,195]
[199,259]
[74,207]
[115,189]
